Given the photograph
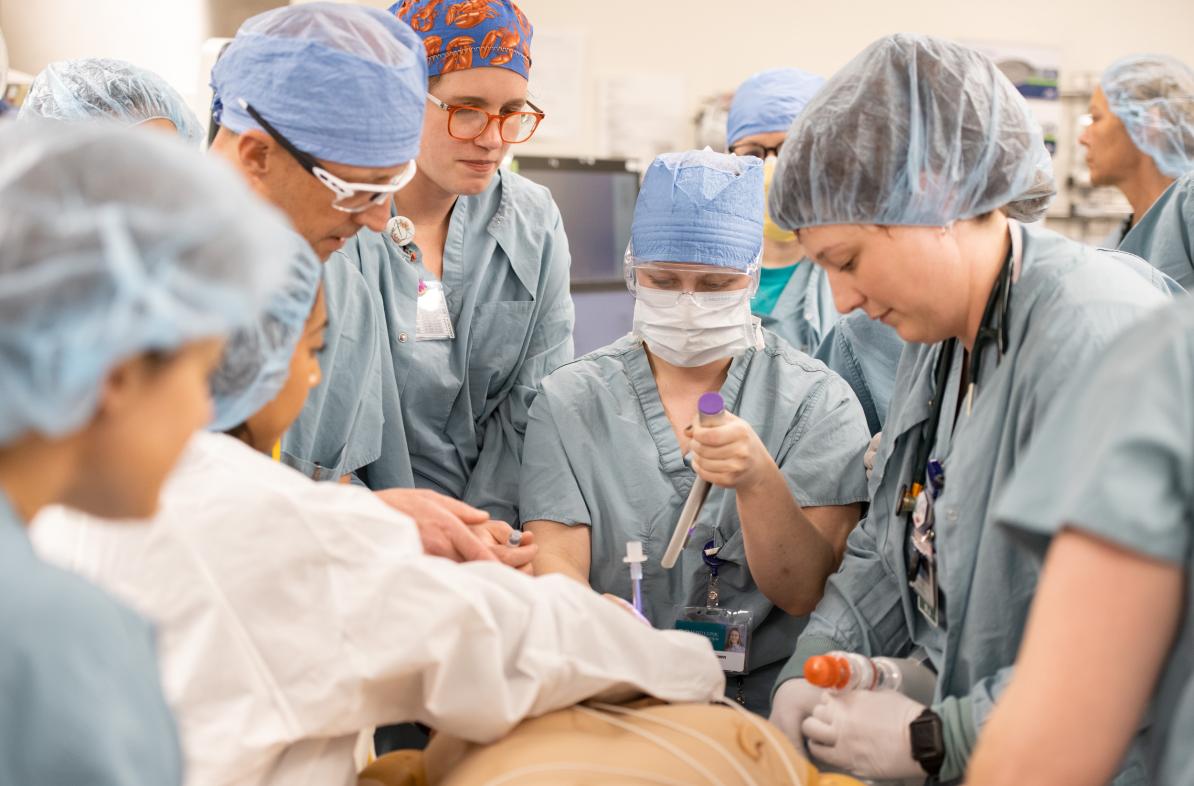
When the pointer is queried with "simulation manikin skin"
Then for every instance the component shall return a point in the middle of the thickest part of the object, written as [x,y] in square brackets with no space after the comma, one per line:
[643,741]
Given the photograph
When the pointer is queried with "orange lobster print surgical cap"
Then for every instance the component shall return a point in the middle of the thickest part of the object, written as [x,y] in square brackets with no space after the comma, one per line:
[462,34]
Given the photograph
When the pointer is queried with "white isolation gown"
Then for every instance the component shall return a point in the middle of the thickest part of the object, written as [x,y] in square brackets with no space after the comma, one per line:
[292,615]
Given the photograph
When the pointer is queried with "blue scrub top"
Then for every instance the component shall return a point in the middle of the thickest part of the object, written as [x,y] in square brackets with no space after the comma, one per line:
[601,452]
[803,312]
[442,415]
[82,700]
[1070,300]
[1164,235]
[1129,481]
[865,353]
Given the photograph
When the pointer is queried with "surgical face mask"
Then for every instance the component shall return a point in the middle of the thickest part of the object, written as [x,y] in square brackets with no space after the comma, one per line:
[694,328]
[772,230]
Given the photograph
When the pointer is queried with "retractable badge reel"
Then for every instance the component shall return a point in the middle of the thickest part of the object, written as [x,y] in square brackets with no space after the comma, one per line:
[728,630]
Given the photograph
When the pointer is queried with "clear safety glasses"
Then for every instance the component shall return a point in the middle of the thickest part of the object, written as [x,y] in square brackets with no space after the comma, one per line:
[467,123]
[348,197]
[666,284]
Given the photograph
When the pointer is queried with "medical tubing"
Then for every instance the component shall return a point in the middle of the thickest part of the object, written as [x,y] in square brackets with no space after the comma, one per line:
[766,730]
[516,776]
[596,711]
[696,735]
[655,738]
[635,559]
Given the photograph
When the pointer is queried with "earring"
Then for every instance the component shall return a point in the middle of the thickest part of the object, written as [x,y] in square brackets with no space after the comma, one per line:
[313,380]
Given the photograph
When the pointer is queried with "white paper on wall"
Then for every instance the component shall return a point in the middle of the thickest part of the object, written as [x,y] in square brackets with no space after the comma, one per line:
[557,83]
[643,115]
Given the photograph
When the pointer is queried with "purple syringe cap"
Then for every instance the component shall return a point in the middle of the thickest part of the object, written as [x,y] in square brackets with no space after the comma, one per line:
[711,404]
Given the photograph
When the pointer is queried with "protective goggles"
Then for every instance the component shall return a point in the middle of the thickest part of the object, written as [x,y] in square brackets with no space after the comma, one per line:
[349,197]
[672,280]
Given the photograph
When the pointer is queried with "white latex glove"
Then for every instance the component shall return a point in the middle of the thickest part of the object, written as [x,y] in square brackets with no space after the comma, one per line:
[868,458]
[865,732]
[795,701]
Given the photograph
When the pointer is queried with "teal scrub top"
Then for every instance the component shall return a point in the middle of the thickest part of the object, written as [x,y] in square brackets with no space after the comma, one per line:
[83,701]
[442,415]
[803,311]
[1129,481]
[1163,235]
[1070,300]
[865,353]
[772,281]
[600,452]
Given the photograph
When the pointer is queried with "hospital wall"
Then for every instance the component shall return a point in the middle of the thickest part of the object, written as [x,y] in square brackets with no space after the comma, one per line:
[713,44]
[606,69]
[709,45]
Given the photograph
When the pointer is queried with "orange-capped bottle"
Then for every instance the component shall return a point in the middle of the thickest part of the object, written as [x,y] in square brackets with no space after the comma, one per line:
[843,671]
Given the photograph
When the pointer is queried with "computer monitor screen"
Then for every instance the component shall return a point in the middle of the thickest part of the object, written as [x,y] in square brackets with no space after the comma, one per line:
[596,199]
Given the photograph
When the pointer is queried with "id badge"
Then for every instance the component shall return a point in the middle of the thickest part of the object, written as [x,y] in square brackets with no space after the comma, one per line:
[433,322]
[925,587]
[727,630]
[924,583]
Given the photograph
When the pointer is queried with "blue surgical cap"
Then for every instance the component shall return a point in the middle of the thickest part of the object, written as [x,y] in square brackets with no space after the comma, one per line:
[700,207]
[913,131]
[1153,96]
[769,101]
[98,87]
[116,244]
[256,361]
[344,83]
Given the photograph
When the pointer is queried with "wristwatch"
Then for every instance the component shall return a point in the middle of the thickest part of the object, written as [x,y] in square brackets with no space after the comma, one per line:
[928,741]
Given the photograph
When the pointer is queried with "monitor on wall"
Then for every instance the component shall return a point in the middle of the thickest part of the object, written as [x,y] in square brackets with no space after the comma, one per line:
[596,199]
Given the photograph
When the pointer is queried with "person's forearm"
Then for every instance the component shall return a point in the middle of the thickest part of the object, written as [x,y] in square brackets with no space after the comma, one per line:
[548,562]
[789,558]
[562,549]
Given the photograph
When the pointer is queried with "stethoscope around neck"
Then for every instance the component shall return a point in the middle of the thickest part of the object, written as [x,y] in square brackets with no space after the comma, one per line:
[993,329]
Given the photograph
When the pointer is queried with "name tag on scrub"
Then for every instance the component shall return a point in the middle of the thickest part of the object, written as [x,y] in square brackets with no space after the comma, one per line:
[433,322]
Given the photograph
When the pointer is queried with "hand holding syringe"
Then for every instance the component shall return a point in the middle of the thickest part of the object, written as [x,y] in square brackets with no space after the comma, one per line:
[710,409]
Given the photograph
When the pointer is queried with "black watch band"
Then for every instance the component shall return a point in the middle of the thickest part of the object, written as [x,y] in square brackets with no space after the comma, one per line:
[928,741]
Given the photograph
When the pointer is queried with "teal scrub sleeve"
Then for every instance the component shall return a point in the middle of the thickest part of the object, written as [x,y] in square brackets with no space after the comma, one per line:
[548,488]
[866,354]
[963,718]
[821,457]
[1129,410]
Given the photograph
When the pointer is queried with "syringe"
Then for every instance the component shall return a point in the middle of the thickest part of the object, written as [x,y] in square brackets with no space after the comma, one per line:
[710,407]
[635,558]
